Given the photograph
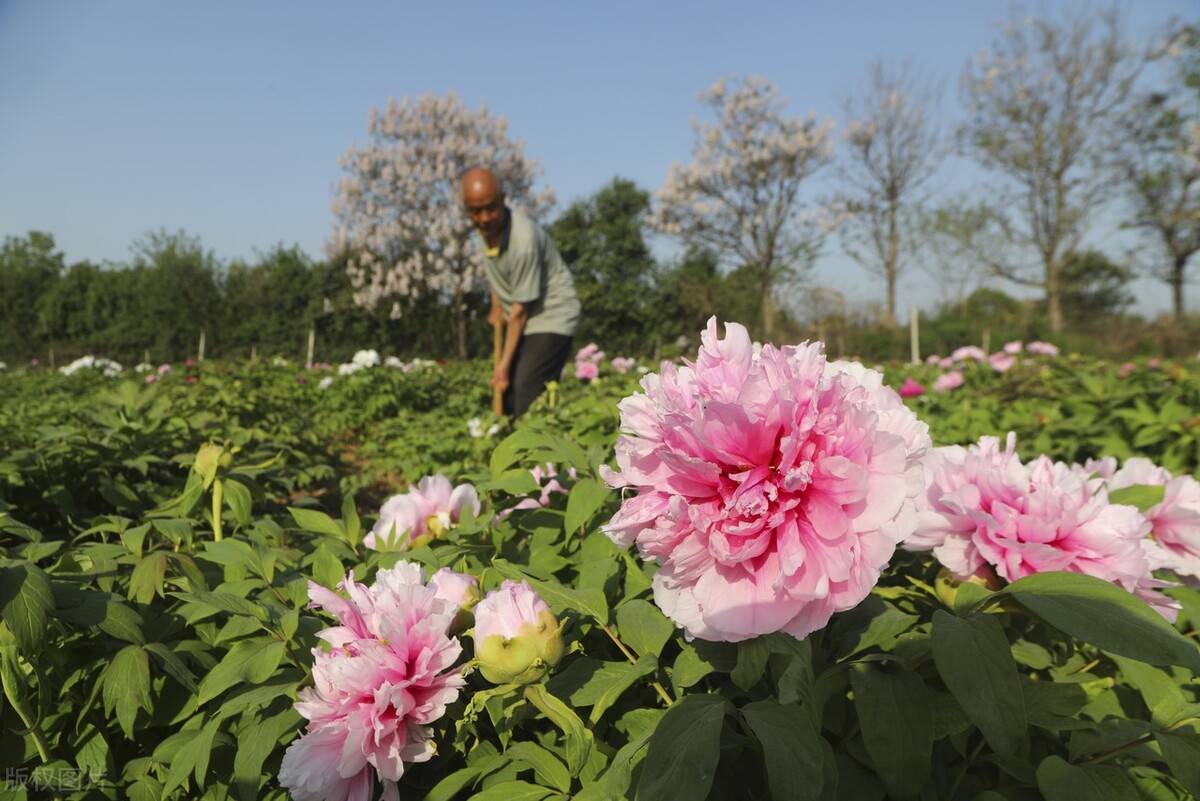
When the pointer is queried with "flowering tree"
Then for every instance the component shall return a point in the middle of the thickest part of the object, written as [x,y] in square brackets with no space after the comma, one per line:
[1160,165]
[739,195]
[892,153]
[399,217]
[1041,105]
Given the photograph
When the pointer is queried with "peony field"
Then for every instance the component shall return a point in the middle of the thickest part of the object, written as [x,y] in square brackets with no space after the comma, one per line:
[751,572]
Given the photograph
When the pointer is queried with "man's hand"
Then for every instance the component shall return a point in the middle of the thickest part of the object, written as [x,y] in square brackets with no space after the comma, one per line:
[500,377]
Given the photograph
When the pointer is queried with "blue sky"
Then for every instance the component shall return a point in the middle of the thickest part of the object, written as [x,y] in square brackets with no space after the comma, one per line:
[227,118]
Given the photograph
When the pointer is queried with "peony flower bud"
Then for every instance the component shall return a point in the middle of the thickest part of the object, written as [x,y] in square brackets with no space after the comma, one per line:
[516,635]
[459,589]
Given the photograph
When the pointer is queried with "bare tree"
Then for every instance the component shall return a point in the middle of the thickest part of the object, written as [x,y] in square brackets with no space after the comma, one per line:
[1159,163]
[952,233]
[1043,102]
[893,150]
[739,196]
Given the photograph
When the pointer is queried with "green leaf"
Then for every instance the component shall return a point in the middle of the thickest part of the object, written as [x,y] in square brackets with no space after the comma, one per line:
[600,684]
[872,623]
[254,744]
[585,498]
[697,659]
[225,602]
[350,520]
[1059,780]
[449,787]
[148,577]
[589,602]
[973,657]
[897,725]
[1164,698]
[26,602]
[253,661]
[327,569]
[1105,615]
[317,522]
[239,501]
[752,656]
[684,750]
[642,626]
[512,791]
[792,749]
[578,737]
[1143,496]
[173,665]
[126,686]
[192,758]
[547,766]
[1182,752]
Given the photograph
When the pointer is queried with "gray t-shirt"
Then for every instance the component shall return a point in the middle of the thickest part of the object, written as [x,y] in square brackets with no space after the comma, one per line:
[530,271]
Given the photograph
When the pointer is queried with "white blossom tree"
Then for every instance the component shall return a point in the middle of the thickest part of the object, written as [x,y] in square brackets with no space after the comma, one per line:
[740,194]
[399,215]
[892,151]
[1043,104]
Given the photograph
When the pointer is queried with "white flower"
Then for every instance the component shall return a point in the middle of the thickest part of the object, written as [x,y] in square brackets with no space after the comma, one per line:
[142,367]
[366,358]
[394,361]
[279,361]
[325,383]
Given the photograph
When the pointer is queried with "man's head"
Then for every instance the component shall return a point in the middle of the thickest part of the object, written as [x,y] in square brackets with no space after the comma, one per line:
[484,200]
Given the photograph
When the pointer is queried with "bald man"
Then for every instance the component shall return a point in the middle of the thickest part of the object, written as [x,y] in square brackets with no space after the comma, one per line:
[531,289]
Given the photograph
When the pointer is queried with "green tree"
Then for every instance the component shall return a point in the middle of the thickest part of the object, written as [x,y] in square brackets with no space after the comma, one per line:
[29,267]
[1094,287]
[602,239]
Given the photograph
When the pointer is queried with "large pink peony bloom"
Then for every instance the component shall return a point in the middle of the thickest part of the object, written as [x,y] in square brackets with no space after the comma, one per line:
[388,675]
[1174,522]
[1013,347]
[966,352]
[429,508]
[622,365]
[1042,348]
[771,489]
[983,506]
[1002,362]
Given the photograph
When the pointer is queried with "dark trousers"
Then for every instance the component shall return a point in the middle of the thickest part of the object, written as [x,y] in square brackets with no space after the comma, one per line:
[539,358]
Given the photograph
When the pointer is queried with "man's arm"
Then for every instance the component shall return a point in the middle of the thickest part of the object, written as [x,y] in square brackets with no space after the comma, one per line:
[517,317]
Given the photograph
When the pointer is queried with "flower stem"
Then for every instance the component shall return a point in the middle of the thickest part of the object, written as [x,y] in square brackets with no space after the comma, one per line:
[218,497]
[662,691]
[1145,738]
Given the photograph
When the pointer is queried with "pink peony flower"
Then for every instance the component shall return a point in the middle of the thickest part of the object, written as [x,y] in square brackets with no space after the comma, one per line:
[911,389]
[983,506]
[933,359]
[946,363]
[1126,369]
[1174,541]
[586,371]
[771,490]
[430,508]
[150,378]
[948,381]
[622,365]
[516,635]
[388,675]
[590,353]
[1042,348]
[548,489]
[164,368]
[1153,363]
[968,352]
[459,589]
[1001,362]
[1013,347]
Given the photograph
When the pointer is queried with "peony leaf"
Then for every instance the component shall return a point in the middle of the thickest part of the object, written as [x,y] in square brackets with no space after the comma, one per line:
[590,602]
[792,748]
[1182,752]
[126,686]
[1105,615]
[684,750]
[642,626]
[317,522]
[254,744]
[1143,496]
[585,498]
[578,737]
[897,725]
[1059,780]
[547,766]
[239,501]
[512,791]
[752,656]
[973,657]
[26,602]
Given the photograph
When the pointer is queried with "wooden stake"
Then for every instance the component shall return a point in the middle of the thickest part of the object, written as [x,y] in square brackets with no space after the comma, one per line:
[497,348]
[200,347]
[987,340]
[914,334]
[312,341]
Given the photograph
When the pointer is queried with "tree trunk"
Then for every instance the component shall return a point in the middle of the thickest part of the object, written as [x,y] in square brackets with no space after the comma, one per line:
[890,268]
[767,312]
[460,323]
[1177,270]
[890,317]
[1053,299]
